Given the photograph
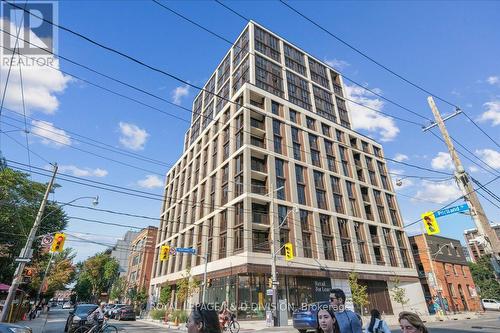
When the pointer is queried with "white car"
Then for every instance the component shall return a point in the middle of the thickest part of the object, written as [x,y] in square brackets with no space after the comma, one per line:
[491,304]
[66,305]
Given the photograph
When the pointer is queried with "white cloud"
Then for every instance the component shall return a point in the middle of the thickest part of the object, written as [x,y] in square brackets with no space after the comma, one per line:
[337,64]
[401,157]
[42,81]
[473,168]
[364,118]
[151,181]
[178,93]
[86,172]
[490,156]
[49,134]
[492,112]
[438,192]
[442,161]
[493,80]
[132,136]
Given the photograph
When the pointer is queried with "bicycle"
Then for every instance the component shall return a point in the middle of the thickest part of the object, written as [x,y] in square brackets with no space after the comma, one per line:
[98,328]
[231,325]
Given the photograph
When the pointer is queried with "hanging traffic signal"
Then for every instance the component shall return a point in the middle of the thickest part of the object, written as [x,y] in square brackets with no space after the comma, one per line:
[164,252]
[58,243]
[289,251]
[430,223]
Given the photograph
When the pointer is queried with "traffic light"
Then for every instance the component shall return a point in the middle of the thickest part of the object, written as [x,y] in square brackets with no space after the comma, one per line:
[58,243]
[430,223]
[164,252]
[289,251]
[270,283]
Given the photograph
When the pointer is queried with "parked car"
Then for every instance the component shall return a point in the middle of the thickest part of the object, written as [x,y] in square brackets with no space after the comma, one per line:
[306,318]
[114,310]
[66,305]
[126,312]
[9,328]
[78,317]
[491,304]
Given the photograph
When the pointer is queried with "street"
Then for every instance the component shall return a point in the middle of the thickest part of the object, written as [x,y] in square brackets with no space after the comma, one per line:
[56,319]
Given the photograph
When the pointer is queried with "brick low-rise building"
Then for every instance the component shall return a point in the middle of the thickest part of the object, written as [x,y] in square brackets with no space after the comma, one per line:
[140,259]
[452,274]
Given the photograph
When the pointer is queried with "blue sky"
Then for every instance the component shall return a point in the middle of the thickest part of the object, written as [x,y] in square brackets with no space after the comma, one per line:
[450,48]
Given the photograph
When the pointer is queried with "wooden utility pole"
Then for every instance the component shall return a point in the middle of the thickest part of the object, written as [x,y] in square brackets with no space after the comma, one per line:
[26,252]
[476,210]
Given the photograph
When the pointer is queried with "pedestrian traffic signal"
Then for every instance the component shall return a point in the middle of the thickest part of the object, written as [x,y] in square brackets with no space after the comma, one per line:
[28,272]
[209,283]
[58,242]
[430,223]
[164,252]
[289,251]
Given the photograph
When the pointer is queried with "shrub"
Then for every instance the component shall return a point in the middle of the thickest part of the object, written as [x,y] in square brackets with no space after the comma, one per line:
[181,316]
[158,314]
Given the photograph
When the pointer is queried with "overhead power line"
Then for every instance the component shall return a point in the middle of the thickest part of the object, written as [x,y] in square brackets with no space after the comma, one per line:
[357,50]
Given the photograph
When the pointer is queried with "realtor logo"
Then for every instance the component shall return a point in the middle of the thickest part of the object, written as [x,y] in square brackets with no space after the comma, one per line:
[33,22]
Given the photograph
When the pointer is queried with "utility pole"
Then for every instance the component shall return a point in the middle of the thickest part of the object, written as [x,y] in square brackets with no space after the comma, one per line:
[26,252]
[478,215]
[274,278]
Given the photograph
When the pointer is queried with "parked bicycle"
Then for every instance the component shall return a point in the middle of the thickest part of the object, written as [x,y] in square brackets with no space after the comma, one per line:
[231,325]
[98,327]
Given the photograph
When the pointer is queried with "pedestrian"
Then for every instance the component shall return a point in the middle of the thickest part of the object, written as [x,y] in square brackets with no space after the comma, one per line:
[203,319]
[348,321]
[377,325]
[411,323]
[327,321]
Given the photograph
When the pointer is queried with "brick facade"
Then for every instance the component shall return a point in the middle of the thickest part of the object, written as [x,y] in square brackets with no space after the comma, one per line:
[453,276]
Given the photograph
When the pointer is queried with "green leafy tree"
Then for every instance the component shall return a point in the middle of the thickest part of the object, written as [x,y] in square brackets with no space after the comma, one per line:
[100,271]
[20,200]
[186,287]
[358,291]
[60,274]
[399,294]
[118,289]
[484,278]
[165,295]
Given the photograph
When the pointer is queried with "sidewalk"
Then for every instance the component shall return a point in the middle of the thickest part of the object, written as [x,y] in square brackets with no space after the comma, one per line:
[37,325]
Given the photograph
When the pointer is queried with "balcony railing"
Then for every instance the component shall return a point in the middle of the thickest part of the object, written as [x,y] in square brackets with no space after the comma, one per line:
[260,217]
[257,123]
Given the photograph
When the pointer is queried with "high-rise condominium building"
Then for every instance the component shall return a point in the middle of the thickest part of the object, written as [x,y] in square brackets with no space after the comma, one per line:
[271,143]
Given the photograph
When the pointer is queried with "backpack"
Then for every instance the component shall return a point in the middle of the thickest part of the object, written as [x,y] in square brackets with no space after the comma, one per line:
[379,328]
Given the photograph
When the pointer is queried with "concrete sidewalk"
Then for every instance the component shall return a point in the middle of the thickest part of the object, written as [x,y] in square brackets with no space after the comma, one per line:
[37,324]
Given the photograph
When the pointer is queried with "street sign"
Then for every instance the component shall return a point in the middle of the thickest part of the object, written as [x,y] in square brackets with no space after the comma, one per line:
[47,240]
[185,250]
[172,251]
[451,210]
[26,260]
[269,292]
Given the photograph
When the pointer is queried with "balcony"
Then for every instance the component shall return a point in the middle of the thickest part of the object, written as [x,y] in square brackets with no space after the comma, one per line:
[337,89]
[257,123]
[260,217]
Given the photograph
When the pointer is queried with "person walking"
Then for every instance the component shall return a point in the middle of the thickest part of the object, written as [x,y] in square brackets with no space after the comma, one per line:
[411,323]
[377,325]
[348,321]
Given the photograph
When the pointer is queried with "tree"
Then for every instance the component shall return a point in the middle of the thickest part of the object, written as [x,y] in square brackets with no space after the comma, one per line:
[60,274]
[165,295]
[399,294]
[118,289]
[358,291]
[20,200]
[100,271]
[186,287]
[484,278]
